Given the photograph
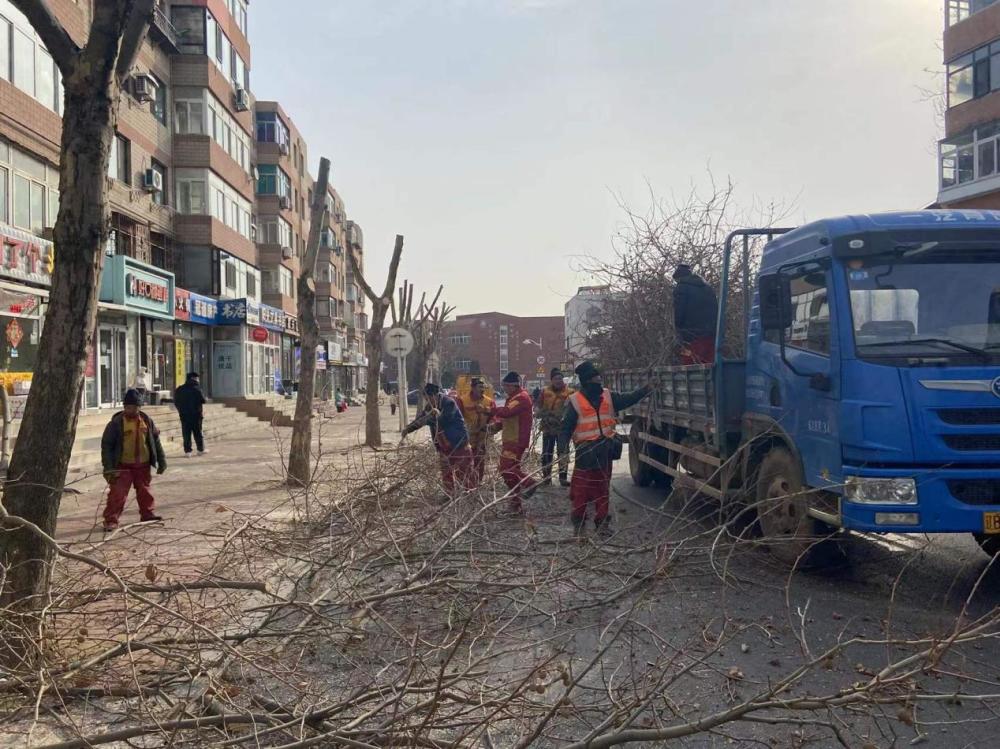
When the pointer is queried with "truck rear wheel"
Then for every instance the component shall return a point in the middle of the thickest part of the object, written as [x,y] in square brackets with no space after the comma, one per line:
[643,474]
[791,535]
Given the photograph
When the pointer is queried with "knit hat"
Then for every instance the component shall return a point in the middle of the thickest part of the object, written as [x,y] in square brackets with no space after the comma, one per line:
[683,269]
[512,378]
[431,389]
[131,397]
[587,371]
[556,372]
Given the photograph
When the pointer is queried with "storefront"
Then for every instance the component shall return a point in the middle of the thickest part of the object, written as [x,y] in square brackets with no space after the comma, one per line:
[194,316]
[135,329]
[289,345]
[245,353]
[27,260]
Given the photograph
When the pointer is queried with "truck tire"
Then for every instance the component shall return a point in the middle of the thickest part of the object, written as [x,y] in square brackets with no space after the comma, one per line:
[989,544]
[643,474]
[791,535]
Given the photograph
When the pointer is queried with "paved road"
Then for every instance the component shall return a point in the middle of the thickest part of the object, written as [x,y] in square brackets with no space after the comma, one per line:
[890,586]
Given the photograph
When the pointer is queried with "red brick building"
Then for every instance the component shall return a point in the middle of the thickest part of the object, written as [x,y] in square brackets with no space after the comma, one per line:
[494,343]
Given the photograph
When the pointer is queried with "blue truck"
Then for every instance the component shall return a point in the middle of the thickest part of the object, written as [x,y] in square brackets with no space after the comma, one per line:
[869,395]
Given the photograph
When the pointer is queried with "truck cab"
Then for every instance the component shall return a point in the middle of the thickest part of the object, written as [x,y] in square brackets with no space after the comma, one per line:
[868,398]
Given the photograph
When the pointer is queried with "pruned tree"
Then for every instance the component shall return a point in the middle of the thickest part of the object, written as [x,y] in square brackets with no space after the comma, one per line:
[92,82]
[634,324]
[373,340]
[300,457]
[425,322]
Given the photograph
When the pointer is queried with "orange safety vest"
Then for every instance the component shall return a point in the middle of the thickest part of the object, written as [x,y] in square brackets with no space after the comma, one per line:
[477,416]
[592,424]
[554,400]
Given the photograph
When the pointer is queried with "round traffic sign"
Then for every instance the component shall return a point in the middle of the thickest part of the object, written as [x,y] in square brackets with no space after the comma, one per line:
[540,360]
[398,342]
[259,334]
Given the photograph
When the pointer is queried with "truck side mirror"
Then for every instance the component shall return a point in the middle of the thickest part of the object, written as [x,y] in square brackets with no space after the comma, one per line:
[775,302]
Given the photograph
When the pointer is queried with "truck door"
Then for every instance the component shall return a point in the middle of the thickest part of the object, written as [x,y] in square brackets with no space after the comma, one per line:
[805,385]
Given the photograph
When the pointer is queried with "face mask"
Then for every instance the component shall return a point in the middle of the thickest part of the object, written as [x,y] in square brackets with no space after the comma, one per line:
[593,389]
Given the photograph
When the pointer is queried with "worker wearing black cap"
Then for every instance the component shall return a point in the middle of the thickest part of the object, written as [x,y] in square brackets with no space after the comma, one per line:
[550,410]
[477,410]
[514,420]
[590,421]
[451,439]
[696,310]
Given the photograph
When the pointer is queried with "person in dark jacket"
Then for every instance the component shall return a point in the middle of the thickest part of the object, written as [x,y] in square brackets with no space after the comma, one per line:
[590,420]
[696,312]
[451,438]
[130,448]
[190,402]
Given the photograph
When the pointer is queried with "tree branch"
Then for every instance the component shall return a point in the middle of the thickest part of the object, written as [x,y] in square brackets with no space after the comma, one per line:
[59,44]
[135,31]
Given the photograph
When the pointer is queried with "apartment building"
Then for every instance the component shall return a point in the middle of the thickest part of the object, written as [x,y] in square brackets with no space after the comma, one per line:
[583,314]
[209,195]
[355,360]
[969,174]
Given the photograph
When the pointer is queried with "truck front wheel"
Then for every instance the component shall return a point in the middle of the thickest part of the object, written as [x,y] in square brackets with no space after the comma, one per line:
[791,535]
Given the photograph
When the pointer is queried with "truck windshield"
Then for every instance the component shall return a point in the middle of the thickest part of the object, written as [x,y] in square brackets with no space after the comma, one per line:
[935,304]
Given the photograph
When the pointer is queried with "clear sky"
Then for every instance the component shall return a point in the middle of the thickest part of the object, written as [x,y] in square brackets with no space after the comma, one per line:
[495,134]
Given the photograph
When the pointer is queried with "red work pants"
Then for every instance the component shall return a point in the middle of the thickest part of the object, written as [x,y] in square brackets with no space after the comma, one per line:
[456,469]
[699,351]
[129,476]
[513,474]
[590,485]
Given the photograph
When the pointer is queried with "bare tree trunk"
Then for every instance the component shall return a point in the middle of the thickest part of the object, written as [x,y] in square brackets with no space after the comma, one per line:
[373,339]
[92,82]
[300,457]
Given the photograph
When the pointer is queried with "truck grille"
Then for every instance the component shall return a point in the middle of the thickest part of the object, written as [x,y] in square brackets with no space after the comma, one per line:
[975,491]
[972,442]
[969,416]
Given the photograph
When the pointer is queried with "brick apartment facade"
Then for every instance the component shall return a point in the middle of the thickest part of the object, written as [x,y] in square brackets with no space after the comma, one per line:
[210,210]
[969,161]
[494,343]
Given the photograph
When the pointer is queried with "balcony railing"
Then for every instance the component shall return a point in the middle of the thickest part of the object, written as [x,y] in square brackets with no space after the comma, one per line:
[162,29]
[958,10]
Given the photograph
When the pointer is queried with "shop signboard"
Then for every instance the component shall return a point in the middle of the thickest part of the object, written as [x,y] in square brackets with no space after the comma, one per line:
[25,257]
[259,334]
[334,352]
[321,357]
[272,318]
[180,360]
[182,304]
[238,312]
[291,325]
[202,309]
[143,288]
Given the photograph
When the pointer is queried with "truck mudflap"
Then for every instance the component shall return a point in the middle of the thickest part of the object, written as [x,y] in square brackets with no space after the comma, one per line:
[951,500]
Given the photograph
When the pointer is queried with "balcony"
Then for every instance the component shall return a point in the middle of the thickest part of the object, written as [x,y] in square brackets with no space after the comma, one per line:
[162,30]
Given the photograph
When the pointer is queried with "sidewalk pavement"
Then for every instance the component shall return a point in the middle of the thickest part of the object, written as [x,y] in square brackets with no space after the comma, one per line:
[203,498]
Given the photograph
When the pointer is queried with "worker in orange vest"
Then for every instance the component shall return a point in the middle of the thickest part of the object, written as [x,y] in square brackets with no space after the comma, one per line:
[590,422]
[513,420]
[550,410]
[477,410]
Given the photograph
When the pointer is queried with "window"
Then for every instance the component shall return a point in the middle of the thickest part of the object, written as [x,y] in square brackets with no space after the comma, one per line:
[228,134]
[959,10]
[251,283]
[3,194]
[810,328]
[462,339]
[37,207]
[24,61]
[4,48]
[53,212]
[45,81]
[190,24]
[270,128]
[272,181]
[970,157]
[191,196]
[286,287]
[119,161]
[276,231]
[230,275]
[159,196]
[974,74]
[160,102]
[189,117]
[463,365]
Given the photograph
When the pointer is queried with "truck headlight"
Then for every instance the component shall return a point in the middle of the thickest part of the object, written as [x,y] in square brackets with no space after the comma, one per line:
[881,491]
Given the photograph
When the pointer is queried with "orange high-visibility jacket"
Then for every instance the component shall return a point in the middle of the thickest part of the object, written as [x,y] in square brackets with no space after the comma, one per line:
[590,424]
[477,417]
[515,416]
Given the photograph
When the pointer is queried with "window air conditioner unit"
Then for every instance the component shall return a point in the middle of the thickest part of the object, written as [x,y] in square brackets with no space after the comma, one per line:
[287,252]
[242,99]
[285,202]
[152,181]
[143,87]
[283,149]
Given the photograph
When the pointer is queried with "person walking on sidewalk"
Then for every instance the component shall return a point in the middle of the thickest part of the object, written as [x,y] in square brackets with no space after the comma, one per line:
[550,410]
[190,402]
[477,409]
[590,422]
[393,402]
[513,420]
[451,440]
[130,449]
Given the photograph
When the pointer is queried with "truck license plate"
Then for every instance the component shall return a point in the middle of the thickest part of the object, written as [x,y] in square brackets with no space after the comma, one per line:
[991,522]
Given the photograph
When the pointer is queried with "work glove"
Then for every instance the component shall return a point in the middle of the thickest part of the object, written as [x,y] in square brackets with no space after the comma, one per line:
[161,468]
